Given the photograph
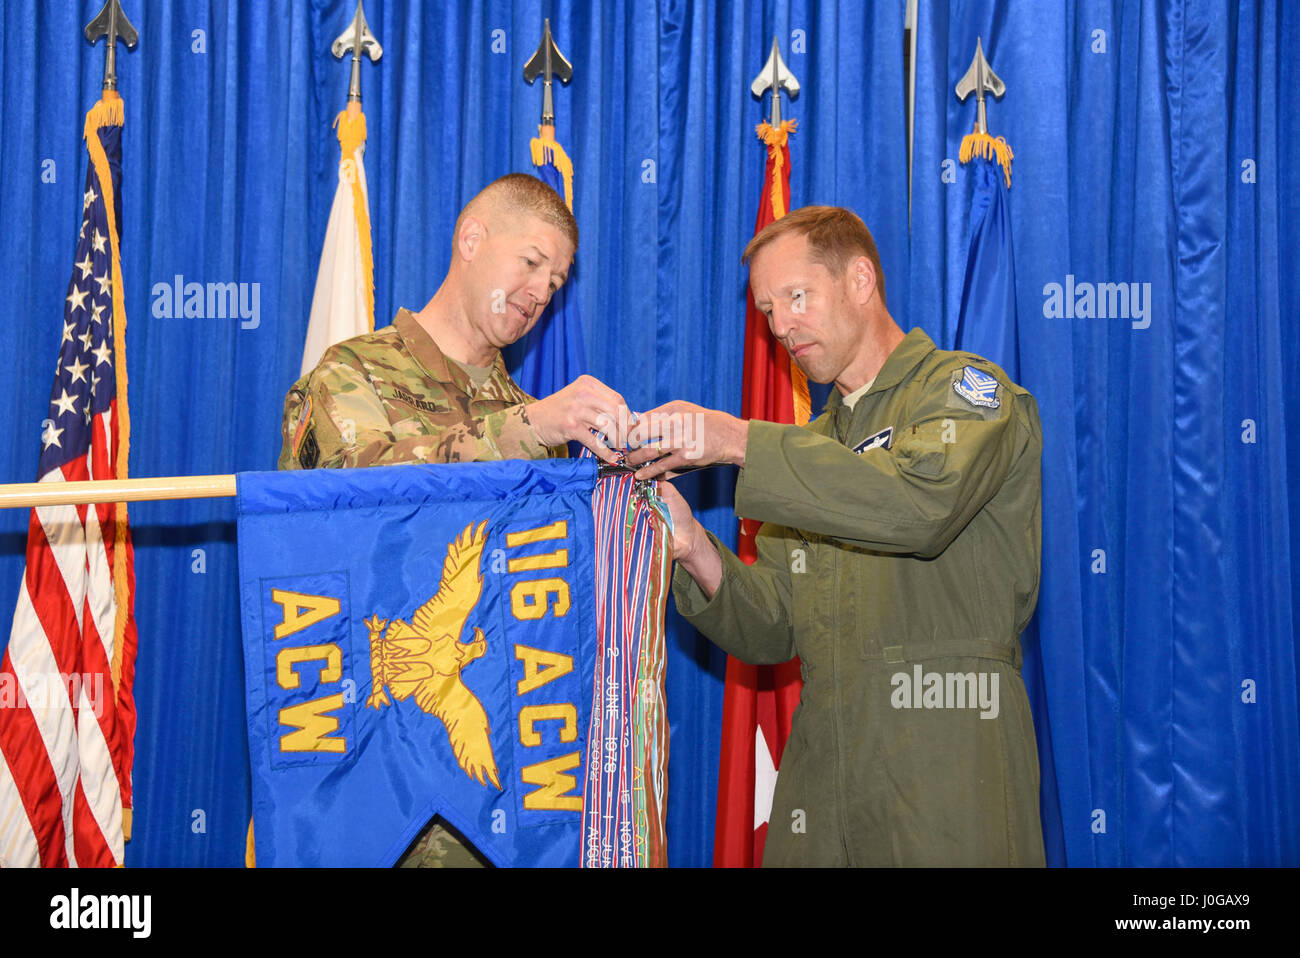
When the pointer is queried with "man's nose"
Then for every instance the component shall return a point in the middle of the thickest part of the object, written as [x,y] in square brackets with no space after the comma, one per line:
[781,321]
[539,289]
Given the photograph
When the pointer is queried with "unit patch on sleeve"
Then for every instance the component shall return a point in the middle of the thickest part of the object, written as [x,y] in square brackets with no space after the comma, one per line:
[309,454]
[976,387]
[300,428]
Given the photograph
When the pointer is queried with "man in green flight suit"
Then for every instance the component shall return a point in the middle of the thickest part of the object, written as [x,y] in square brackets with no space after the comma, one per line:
[433,387]
[899,559]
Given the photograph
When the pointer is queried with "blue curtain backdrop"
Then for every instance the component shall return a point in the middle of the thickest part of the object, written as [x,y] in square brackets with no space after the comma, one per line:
[1152,146]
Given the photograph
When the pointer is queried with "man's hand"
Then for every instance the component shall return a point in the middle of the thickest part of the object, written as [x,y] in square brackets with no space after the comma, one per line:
[583,405]
[688,534]
[691,547]
[680,435]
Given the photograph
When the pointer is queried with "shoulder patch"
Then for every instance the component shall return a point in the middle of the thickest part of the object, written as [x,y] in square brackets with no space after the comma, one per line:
[300,428]
[880,440]
[976,387]
[309,454]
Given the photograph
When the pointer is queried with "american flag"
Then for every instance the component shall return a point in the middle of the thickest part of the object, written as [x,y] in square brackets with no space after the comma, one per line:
[67,719]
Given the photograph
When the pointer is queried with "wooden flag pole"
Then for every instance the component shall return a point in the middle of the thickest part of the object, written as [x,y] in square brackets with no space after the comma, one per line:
[29,494]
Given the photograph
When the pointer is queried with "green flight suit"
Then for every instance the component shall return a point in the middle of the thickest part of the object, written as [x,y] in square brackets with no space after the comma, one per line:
[909,566]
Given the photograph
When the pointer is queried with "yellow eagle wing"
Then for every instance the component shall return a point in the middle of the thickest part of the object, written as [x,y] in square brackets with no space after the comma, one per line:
[462,583]
[467,725]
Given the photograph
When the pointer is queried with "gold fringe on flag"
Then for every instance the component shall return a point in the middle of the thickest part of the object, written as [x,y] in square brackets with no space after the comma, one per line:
[802,401]
[110,111]
[991,148]
[546,149]
[776,138]
[352,137]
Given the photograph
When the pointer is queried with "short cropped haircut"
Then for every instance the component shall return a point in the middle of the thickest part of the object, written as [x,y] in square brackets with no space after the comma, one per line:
[520,193]
[836,237]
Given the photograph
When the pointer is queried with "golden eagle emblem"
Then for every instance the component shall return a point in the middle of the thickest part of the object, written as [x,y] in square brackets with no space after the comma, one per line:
[425,656]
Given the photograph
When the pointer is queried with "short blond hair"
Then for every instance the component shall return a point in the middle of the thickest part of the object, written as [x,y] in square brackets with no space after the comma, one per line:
[836,237]
[520,193]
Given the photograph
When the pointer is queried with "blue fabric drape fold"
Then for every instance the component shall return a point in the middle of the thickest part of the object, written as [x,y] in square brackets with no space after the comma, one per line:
[1147,230]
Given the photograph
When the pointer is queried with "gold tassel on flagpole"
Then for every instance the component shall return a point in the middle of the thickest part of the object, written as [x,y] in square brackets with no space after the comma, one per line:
[351,126]
[776,138]
[991,148]
[546,148]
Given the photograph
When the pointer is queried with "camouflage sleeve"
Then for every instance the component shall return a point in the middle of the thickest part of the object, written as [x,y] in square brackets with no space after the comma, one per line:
[335,419]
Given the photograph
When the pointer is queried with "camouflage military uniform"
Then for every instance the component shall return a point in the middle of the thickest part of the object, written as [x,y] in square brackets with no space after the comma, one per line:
[389,397]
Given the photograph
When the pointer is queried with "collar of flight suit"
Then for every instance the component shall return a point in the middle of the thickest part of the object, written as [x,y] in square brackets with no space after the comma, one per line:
[907,355]
[435,361]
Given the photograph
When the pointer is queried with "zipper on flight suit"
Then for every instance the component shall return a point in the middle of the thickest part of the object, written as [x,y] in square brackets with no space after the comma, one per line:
[843,429]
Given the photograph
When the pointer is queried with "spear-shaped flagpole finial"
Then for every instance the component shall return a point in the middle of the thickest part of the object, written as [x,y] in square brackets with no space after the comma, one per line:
[980,79]
[358,39]
[112,23]
[775,75]
[547,62]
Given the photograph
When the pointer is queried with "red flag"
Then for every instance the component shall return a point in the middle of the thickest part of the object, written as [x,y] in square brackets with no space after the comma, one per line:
[759,701]
[67,719]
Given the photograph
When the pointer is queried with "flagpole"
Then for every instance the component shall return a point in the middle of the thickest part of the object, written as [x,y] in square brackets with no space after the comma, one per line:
[27,495]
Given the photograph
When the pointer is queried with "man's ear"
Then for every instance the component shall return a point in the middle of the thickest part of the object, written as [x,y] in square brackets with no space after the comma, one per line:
[862,280]
[470,237]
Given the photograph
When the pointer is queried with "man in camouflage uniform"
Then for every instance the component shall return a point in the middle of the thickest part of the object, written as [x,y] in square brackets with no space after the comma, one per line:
[433,387]
[899,560]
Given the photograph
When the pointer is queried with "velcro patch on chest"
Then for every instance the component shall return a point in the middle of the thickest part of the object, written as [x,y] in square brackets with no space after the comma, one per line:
[976,387]
[880,440]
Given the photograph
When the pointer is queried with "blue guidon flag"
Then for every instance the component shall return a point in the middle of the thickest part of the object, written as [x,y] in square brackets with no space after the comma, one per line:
[418,640]
[977,387]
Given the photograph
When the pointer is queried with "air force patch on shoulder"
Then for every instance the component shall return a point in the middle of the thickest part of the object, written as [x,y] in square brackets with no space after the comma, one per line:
[977,387]
[880,440]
